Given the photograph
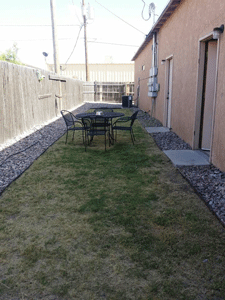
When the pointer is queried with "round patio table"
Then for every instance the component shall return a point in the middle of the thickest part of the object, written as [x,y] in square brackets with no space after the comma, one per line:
[105,115]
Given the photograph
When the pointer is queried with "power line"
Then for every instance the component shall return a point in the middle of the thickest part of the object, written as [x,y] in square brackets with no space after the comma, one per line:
[106,43]
[113,44]
[32,40]
[28,25]
[75,44]
[120,18]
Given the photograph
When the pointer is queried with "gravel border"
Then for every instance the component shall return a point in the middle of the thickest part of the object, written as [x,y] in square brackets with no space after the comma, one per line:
[207,181]
[17,158]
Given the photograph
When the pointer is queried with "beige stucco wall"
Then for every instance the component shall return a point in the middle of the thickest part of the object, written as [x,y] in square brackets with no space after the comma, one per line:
[179,37]
[144,60]
[218,148]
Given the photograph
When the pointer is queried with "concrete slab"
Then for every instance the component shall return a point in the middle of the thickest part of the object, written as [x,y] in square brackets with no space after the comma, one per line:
[187,157]
[157,129]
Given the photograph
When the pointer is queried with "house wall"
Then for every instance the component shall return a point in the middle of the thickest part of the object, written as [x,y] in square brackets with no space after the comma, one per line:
[142,67]
[218,153]
[179,37]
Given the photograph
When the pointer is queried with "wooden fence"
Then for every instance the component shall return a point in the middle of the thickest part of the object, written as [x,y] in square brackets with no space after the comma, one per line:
[26,101]
[107,91]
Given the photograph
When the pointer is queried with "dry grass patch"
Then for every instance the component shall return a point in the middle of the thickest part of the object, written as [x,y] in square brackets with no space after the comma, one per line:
[120,224]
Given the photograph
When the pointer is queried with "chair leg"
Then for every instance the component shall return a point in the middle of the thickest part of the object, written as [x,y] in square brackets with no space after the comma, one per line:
[73,135]
[109,138]
[83,136]
[86,140]
[66,136]
[105,140]
[132,136]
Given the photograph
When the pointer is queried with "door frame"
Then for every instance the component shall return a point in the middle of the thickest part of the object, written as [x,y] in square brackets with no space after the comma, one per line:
[168,80]
[200,78]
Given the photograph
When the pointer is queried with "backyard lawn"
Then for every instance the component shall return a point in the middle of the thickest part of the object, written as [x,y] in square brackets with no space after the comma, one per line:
[114,224]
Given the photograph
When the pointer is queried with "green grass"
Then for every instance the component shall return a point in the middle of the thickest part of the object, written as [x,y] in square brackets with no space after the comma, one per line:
[120,224]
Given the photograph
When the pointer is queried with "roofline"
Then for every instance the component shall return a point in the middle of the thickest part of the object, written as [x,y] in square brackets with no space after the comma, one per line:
[167,12]
[83,64]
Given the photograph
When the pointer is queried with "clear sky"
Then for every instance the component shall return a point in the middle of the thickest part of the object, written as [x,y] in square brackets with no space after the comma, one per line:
[28,23]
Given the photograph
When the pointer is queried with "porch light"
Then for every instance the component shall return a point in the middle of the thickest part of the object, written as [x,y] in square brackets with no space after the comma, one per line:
[217,31]
[163,62]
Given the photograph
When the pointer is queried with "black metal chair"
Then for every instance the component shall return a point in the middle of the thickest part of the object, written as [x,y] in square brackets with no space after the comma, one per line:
[72,124]
[125,124]
[99,126]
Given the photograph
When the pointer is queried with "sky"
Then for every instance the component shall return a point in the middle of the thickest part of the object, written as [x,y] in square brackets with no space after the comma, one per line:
[28,23]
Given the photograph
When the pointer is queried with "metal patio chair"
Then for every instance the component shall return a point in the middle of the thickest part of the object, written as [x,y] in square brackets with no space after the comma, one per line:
[98,126]
[125,124]
[72,124]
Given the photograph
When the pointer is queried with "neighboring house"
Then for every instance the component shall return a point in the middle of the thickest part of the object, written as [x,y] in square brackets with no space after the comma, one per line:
[185,61]
[99,72]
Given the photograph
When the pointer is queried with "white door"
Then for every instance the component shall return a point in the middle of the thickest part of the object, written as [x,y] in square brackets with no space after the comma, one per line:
[169,92]
[208,98]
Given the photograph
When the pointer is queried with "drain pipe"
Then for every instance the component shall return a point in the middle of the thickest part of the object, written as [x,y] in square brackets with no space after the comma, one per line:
[153,86]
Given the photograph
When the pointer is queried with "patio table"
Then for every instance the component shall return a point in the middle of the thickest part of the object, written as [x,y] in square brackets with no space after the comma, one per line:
[109,115]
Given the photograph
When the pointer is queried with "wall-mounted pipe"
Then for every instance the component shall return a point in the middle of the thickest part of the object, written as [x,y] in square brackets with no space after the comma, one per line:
[153,86]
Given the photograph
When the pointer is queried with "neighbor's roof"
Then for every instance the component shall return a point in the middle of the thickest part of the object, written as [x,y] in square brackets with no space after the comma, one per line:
[168,11]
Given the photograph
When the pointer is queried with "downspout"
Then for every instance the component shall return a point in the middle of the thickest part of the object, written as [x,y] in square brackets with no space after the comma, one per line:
[138,91]
[153,86]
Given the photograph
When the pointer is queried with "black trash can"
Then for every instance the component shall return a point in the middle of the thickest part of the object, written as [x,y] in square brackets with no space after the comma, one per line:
[127,101]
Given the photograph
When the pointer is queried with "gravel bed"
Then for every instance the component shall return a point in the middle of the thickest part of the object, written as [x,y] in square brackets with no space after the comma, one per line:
[170,141]
[15,159]
[208,181]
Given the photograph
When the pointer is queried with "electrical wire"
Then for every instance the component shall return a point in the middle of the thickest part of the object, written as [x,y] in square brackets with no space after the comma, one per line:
[32,40]
[74,45]
[120,18]
[149,11]
[2,25]
[114,44]
[20,152]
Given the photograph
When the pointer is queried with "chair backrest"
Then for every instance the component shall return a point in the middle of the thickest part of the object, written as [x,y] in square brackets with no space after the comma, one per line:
[68,117]
[133,118]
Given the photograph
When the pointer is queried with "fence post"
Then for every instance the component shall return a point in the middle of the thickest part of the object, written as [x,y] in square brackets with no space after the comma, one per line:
[95,91]
[100,91]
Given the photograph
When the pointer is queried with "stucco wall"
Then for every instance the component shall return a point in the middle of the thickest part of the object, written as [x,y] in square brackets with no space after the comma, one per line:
[25,102]
[218,147]
[144,62]
[179,37]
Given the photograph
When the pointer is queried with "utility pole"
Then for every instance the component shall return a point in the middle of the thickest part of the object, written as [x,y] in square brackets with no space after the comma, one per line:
[55,39]
[85,40]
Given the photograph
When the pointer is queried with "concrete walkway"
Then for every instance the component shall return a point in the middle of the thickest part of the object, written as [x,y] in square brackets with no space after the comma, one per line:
[187,157]
[182,157]
[156,129]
